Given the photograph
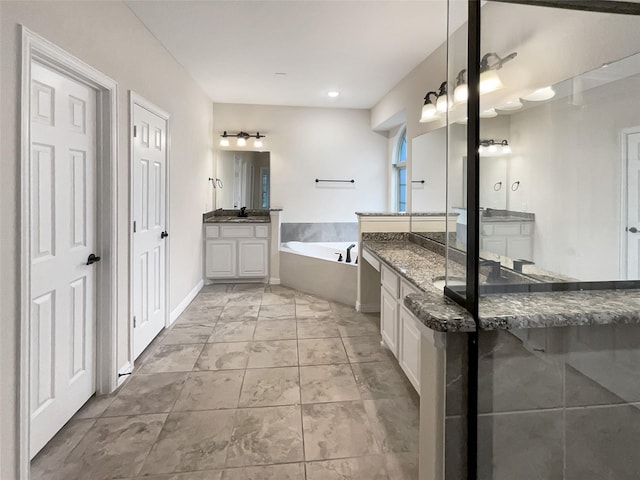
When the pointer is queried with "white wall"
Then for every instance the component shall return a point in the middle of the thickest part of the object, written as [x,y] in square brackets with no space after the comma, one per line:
[310,143]
[110,38]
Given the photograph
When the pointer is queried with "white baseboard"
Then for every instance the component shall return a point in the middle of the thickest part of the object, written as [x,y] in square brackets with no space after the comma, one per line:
[182,306]
[122,373]
[367,308]
[274,281]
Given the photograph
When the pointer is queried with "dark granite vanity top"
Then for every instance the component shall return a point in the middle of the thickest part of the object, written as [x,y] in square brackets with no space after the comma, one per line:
[405,214]
[231,216]
[421,266]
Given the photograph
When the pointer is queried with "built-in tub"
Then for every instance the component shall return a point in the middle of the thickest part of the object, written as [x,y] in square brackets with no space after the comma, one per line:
[313,267]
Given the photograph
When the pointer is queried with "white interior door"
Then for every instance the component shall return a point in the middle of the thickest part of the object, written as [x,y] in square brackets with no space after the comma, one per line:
[633,205]
[62,237]
[149,219]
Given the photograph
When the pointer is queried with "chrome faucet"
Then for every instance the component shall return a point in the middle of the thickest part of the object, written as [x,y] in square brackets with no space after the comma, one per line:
[242,212]
[348,260]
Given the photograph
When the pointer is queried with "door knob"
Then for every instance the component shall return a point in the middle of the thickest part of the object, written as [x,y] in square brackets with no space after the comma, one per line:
[164,234]
[632,230]
[92,259]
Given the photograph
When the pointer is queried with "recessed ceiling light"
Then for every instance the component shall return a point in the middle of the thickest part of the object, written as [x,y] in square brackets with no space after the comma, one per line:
[333,94]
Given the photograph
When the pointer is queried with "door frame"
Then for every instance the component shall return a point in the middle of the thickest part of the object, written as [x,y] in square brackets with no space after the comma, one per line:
[137,99]
[37,49]
[624,199]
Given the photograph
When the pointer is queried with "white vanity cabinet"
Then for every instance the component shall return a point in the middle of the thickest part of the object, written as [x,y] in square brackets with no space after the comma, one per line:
[509,239]
[398,326]
[239,251]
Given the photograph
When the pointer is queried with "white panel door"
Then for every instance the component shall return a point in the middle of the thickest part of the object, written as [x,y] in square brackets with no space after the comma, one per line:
[633,206]
[63,226]
[389,320]
[149,232]
[409,348]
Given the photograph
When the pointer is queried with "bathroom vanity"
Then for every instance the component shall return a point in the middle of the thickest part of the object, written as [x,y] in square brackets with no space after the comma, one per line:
[237,248]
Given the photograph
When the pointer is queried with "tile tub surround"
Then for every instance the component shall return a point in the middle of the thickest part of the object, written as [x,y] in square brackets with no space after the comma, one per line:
[319,232]
[421,266]
[241,408]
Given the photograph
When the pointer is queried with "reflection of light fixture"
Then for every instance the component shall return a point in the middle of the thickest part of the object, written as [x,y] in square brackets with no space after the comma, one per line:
[333,94]
[491,148]
[491,113]
[511,105]
[540,95]
[490,63]
[429,112]
[461,92]
[442,103]
[241,139]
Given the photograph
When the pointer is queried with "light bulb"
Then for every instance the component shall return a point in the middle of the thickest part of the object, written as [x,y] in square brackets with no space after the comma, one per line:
[242,142]
[442,103]
[481,150]
[540,95]
[461,94]
[493,148]
[224,142]
[257,143]
[429,113]
[491,113]
[506,149]
[490,81]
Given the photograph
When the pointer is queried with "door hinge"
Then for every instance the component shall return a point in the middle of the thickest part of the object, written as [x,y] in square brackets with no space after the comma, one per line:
[135,131]
[134,226]
[134,322]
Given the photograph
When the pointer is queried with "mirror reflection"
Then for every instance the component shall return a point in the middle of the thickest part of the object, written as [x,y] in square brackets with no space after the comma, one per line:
[244,180]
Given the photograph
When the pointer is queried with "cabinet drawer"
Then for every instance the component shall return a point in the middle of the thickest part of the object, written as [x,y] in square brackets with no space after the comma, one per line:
[262,231]
[212,231]
[506,229]
[405,289]
[389,280]
[236,231]
[526,228]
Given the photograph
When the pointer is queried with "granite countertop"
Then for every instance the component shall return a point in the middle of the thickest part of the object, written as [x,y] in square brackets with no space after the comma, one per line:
[421,266]
[231,216]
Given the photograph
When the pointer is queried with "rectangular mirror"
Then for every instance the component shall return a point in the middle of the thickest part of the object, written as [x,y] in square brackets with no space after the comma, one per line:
[243,180]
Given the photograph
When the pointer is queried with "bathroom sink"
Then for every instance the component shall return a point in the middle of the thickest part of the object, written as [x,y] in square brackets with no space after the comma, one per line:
[440,282]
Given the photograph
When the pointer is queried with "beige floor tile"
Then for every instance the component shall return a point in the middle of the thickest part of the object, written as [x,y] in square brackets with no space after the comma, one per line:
[273,353]
[395,422]
[115,447]
[270,387]
[239,313]
[210,391]
[361,468]
[95,406]
[402,466]
[275,330]
[314,328]
[268,435]
[290,471]
[188,333]
[232,332]
[172,358]
[223,356]
[321,351]
[285,298]
[381,380]
[191,441]
[337,430]
[366,349]
[147,393]
[313,310]
[328,383]
[202,475]
[277,312]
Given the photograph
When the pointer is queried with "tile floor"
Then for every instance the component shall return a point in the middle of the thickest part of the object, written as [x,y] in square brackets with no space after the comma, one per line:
[251,383]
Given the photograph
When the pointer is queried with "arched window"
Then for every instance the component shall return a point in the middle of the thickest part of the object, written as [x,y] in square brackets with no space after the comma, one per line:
[400,171]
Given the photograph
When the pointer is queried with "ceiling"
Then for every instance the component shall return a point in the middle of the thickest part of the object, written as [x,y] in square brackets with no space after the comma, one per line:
[294,52]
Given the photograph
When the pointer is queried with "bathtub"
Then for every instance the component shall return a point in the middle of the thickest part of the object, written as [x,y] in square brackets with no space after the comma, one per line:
[313,267]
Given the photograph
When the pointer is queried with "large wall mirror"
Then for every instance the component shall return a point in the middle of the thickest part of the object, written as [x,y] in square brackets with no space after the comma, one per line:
[243,180]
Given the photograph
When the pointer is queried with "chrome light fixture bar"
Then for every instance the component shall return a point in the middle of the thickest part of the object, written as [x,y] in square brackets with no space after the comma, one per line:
[491,148]
[241,139]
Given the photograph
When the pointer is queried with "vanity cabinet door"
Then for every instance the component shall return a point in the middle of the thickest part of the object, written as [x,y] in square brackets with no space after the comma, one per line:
[221,258]
[409,347]
[389,320]
[252,261]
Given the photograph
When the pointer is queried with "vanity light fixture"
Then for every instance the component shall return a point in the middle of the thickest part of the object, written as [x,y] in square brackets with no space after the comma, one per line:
[490,113]
[241,139]
[461,92]
[492,148]
[489,78]
[442,103]
[511,105]
[429,111]
[540,95]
